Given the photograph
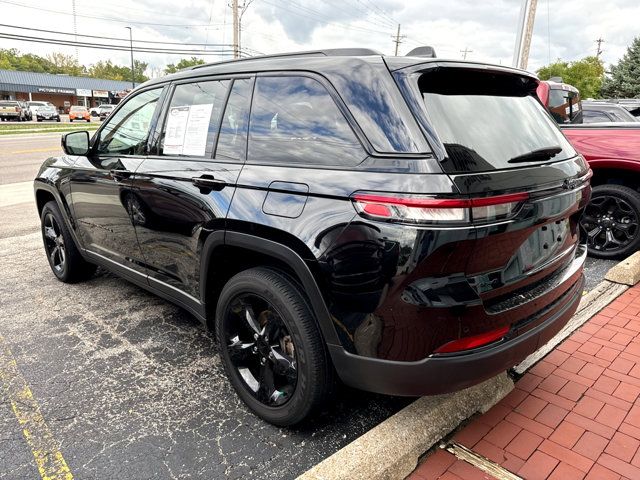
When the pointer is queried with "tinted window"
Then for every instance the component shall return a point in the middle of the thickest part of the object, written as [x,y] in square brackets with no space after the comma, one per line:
[295,120]
[125,133]
[489,121]
[192,119]
[592,116]
[232,141]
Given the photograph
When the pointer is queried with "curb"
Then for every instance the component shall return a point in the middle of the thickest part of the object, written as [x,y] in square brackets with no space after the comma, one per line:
[390,451]
[627,272]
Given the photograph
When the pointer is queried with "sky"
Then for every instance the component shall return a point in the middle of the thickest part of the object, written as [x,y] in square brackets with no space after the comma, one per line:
[564,29]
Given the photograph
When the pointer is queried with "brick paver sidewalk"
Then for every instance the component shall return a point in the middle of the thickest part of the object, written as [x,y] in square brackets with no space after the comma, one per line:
[574,415]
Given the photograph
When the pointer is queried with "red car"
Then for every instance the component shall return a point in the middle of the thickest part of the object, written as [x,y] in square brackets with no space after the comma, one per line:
[612,218]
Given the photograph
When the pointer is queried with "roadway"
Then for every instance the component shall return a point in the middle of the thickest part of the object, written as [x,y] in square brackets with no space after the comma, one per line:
[21,155]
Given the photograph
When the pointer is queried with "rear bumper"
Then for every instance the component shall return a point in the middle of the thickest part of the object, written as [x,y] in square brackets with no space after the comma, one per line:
[442,374]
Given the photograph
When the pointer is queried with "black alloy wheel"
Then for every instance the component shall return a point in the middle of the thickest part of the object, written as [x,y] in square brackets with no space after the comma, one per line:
[271,346]
[54,244]
[612,221]
[65,260]
[261,349]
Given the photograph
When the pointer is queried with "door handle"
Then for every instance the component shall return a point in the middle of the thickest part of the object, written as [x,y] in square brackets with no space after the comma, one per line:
[208,182]
[119,175]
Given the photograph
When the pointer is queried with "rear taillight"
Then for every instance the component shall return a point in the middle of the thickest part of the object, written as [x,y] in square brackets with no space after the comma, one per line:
[18,109]
[476,341]
[423,209]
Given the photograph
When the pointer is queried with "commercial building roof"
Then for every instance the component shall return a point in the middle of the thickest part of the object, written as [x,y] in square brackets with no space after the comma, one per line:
[29,81]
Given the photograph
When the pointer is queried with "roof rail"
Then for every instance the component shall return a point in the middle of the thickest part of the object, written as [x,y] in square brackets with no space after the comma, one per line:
[331,52]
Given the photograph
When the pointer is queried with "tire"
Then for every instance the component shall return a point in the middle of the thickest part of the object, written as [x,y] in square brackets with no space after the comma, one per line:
[612,221]
[285,306]
[73,267]
[70,121]
[58,119]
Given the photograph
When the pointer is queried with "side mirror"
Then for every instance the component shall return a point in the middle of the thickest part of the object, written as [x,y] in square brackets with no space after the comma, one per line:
[76,143]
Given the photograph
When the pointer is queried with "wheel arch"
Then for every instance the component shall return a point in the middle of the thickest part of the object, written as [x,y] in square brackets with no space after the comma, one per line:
[226,253]
[618,173]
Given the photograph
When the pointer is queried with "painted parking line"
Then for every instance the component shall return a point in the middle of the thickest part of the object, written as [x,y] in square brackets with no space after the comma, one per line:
[43,445]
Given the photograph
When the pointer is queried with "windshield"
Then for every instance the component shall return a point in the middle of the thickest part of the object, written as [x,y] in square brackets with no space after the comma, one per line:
[490,120]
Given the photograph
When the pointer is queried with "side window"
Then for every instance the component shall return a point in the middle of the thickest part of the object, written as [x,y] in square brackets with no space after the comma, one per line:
[192,119]
[295,120]
[126,131]
[232,141]
[594,116]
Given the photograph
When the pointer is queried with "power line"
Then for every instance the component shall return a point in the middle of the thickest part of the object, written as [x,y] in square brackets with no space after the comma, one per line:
[113,38]
[99,46]
[464,52]
[104,18]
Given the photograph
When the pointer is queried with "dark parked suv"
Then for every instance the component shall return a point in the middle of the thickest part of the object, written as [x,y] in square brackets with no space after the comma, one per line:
[405,223]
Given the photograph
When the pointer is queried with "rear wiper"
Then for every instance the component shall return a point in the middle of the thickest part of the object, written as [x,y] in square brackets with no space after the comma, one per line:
[545,153]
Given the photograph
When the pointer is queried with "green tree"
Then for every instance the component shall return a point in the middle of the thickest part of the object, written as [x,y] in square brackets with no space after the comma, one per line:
[624,79]
[586,75]
[184,63]
[110,71]
[12,59]
[66,64]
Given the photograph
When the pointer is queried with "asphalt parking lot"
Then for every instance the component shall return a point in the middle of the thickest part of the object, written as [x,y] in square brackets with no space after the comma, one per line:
[117,383]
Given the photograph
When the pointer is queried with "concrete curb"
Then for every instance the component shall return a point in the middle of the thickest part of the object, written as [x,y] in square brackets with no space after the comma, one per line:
[390,451]
[627,272]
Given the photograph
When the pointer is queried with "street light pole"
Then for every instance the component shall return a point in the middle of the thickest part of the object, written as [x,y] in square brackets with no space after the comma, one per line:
[133,75]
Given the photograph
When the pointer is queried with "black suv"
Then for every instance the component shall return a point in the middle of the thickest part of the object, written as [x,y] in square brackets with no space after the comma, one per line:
[409,224]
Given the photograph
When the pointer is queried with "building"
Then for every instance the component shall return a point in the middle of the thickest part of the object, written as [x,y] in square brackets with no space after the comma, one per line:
[61,90]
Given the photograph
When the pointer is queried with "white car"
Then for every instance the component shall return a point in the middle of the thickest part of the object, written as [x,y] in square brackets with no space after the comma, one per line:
[33,107]
[95,111]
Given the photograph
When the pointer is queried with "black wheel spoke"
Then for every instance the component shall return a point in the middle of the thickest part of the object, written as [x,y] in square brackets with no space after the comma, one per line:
[241,353]
[50,233]
[283,364]
[267,385]
[250,319]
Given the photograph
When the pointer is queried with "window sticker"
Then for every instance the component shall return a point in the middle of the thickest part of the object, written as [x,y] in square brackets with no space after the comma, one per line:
[187,130]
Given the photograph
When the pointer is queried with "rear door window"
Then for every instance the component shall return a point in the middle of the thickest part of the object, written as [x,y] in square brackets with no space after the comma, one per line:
[294,120]
[490,121]
[594,116]
[193,118]
[232,140]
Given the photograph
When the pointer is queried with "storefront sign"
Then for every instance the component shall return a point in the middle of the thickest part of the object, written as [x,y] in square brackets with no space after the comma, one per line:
[83,92]
[101,93]
[64,91]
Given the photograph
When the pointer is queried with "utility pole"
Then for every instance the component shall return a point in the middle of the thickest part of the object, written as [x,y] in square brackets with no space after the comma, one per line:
[133,73]
[464,52]
[599,41]
[75,27]
[236,29]
[524,33]
[397,39]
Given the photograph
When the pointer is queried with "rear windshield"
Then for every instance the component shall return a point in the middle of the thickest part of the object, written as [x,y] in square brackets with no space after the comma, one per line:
[490,120]
[78,109]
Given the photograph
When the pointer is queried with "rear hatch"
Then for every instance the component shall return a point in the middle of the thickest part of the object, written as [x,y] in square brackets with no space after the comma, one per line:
[495,140]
